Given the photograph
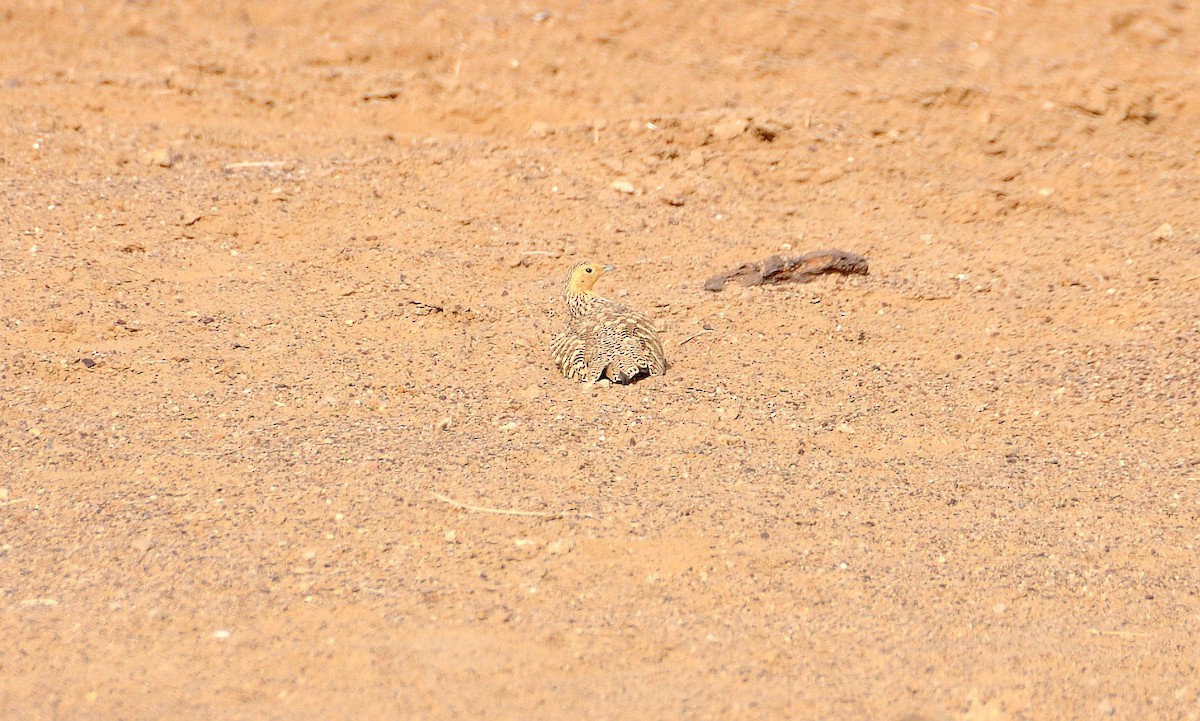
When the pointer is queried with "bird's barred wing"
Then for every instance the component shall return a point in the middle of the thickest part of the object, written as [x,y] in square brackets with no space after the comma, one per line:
[622,332]
[568,351]
[656,359]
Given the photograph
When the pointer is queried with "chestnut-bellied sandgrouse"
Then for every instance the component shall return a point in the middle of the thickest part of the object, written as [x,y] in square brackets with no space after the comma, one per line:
[602,337]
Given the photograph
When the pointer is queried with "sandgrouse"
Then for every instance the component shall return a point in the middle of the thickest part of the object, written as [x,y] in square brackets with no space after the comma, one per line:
[602,337]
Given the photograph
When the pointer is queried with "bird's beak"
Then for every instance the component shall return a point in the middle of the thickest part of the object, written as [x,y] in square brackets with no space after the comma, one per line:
[609,268]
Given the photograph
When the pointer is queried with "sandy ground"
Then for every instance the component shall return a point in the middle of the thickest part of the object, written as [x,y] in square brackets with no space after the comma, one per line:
[280,279]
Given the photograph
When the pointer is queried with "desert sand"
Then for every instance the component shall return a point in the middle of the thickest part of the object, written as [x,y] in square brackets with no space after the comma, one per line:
[282,437]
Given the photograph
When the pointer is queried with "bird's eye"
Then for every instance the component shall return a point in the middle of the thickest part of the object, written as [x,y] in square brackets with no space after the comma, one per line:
[589,270]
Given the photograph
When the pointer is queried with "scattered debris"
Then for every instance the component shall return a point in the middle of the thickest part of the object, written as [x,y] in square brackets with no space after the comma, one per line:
[425,308]
[798,268]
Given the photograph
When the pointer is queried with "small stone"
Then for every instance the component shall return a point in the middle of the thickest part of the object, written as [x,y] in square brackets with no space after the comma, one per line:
[40,602]
[444,424]
[766,130]
[1106,708]
[621,185]
[87,362]
[729,128]
[1164,232]
[539,129]
[827,174]
[845,428]
[221,634]
[162,157]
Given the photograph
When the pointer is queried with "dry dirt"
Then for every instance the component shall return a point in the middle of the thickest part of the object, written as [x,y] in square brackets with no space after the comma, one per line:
[279,279]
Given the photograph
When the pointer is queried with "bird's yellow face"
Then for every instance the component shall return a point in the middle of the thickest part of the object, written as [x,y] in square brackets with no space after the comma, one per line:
[584,275]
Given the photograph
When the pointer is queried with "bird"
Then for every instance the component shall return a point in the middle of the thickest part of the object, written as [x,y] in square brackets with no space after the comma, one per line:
[603,337]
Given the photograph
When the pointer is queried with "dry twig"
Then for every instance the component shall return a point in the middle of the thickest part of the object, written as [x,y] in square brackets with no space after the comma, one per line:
[256,164]
[502,511]
[694,336]
[1122,634]
[799,268]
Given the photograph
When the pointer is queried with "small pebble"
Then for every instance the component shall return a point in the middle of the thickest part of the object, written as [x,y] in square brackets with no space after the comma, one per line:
[444,424]
[729,128]
[1164,232]
[623,186]
[162,157]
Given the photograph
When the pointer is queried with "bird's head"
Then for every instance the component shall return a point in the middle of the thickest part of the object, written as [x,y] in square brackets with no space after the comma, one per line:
[584,275]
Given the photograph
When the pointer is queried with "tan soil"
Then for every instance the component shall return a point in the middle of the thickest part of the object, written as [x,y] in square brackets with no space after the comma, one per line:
[961,487]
